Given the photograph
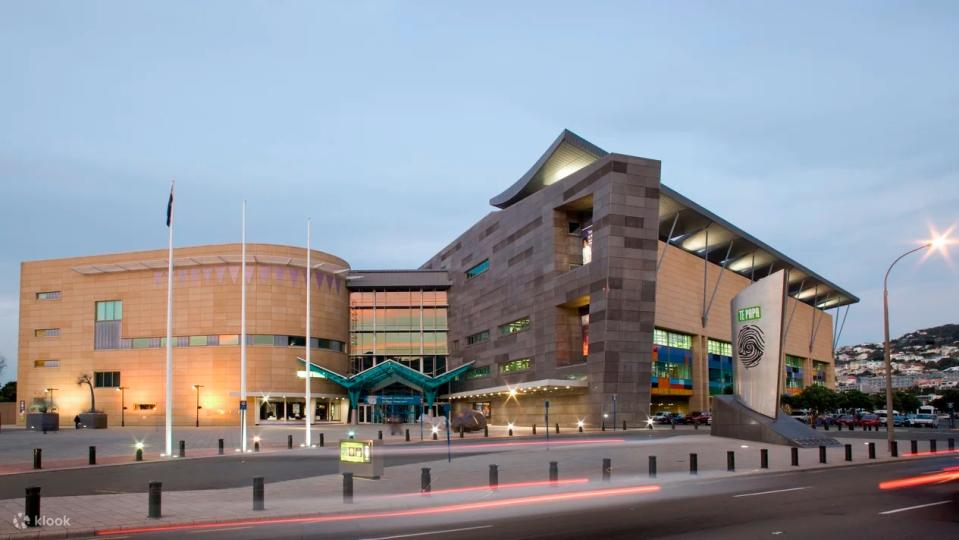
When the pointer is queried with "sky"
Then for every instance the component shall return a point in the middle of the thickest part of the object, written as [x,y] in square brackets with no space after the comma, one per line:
[828,130]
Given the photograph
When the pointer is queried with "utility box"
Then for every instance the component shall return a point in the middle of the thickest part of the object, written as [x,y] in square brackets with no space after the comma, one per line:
[361,458]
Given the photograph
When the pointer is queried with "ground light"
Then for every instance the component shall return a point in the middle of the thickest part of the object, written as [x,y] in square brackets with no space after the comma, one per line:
[579,425]
[509,427]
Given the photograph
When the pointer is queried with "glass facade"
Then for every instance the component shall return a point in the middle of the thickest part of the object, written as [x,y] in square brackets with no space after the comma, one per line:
[819,370]
[110,311]
[514,366]
[106,379]
[720,358]
[672,372]
[408,326]
[794,374]
[477,269]
[514,327]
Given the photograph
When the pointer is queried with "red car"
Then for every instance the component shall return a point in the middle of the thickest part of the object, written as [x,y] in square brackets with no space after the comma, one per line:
[697,417]
[870,420]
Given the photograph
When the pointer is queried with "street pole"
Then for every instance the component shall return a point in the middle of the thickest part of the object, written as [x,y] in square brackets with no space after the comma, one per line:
[169,331]
[890,420]
[197,387]
[309,409]
[243,404]
[122,406]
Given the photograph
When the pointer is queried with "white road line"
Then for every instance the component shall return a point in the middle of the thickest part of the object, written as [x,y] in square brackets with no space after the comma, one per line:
[221,529]
[908,508]
[429,533]
[768,492]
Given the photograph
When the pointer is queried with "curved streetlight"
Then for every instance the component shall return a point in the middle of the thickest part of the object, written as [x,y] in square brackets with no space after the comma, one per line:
[938,243]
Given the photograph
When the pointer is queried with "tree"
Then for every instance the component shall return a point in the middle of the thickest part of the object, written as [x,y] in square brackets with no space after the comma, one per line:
[948,396]
[905,402]
[818,398]
[85,379]
[787,402]
[9,391]
[854,399]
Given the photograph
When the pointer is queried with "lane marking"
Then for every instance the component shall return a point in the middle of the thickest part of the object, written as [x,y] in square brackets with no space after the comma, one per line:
[908,508]
[768,492]
[219,530]
[426,533]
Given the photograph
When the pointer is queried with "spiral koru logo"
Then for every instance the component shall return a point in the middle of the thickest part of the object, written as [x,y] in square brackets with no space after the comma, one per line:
[751,344]
[20,521]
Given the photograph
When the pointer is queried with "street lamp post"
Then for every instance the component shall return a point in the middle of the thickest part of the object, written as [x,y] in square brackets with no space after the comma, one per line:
[197,387]
[123,406]
[937,243]
[50,391]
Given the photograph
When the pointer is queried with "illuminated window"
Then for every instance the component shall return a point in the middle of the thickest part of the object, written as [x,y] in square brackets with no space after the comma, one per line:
[477,373]
[587,238]
[46,332]
[478,337]
[819,370]
[477,269]
[514,327]
[106,379]
[794,372]
[111,310]
[514,366]
[721,348]
[720,360]
[229,339]
[46,363]
[672,339]
[48,295]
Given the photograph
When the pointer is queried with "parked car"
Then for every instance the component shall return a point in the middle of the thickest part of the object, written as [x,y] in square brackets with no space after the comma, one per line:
[899,420]
[925,420]
[664,417]
[870,420]
[697,417]
[846,420]
[800,414]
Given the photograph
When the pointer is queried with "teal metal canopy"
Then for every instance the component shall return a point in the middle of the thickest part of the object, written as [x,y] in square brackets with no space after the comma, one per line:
[384,374]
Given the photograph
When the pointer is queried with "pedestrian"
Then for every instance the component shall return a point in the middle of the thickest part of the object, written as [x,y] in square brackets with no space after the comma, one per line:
[76,421]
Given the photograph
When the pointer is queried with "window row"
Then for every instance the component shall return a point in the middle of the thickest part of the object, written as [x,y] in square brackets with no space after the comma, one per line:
[672,339]
[429,365]
[231,339]
[477,269]
[106,379]
[111,310]
[478,337]
[514,327]
[398,318]
[400,343]
[398,298]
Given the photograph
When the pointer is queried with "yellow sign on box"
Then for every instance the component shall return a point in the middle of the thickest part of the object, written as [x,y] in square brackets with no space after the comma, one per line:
[356,451]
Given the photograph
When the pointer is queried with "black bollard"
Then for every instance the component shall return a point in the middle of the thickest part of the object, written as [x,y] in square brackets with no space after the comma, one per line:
[553,472]
[461,431]
[652,466]
[425,480]
[872,450]
[794,455]
[510,432]
[219,446]
[38,458]
[557,428]
[822,454]
[693,464]
[435,438]
[323,442]
[534,429]
[826,426]
[139,455]
[182,448]
[289,442]
[407,434]
[731,461]
[31,507]
[763,458]
[914,446]
[894,448]
[580,427]
[603,428]
[839,427]
[258,493]
[607,469]
[347,488]
[486,430]
[696,425]
[848,452]
[156,491]
[92,456]
[952,444]
[493,476]
[379,434]
[673,424]
[256,446]
[932,446]
[624,425]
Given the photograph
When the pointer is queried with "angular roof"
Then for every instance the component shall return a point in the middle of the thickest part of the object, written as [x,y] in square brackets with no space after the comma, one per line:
[685,224]
[386,373]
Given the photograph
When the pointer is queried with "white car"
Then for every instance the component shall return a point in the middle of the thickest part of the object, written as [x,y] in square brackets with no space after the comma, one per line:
[925,420]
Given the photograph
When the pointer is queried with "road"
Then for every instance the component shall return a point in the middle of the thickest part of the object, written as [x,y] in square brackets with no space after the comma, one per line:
[840,503]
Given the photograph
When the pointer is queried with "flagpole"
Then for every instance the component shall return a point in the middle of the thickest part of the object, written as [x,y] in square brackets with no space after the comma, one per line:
[169,330]
[309,409]
[243,404]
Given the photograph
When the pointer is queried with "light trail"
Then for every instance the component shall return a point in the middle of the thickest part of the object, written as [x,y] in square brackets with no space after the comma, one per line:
[435,510]
[487,487]
[926,479]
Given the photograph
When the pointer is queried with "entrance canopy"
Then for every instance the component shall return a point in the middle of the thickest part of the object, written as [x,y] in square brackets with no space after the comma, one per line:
[384,374]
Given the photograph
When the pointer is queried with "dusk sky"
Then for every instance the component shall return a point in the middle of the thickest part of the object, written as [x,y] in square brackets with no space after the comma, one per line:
[828,130]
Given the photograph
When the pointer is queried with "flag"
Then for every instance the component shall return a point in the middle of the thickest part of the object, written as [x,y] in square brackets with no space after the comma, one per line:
[169,208]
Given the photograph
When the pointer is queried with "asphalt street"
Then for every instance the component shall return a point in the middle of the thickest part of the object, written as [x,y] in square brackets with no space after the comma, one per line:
[836,503]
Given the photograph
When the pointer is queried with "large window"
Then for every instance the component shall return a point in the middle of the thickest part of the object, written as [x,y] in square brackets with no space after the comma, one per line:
[111,310]
[477,269]
[514,327]
[478,337]
[477,373]
[106,379]
[46,332]
[720,367]
[794,374]
[514,366]
[672,363]
[46,363]
[819,370]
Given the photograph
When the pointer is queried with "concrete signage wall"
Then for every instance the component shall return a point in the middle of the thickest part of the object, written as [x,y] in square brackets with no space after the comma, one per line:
[757,320]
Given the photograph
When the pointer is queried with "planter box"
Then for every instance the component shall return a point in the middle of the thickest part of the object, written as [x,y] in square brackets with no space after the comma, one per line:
[93,420]
[43,421]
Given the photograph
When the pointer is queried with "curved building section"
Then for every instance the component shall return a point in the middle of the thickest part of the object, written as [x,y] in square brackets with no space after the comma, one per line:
[106,316]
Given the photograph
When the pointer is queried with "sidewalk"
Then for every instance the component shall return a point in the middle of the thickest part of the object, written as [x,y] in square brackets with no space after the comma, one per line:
[579,464]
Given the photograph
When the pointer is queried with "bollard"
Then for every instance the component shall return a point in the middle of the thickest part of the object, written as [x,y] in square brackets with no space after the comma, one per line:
[607,469]
[92,458]
[323,442]
[894,448]
[603,428]
[219,446]
[952,444]
[425,480]
[493,476]
[289,442]
[461,431]
[914,446]
[435,438]
[407,434]
[580,428]
[156,491]
[347,488]
[673,424]
[485,430]
[848,448]
[731,461]
[258,493]
[822,454]
[31,507]
[256,446]
[557,428]
[139,455]
[826,427]
[763,458]
[379,434]
[534,429]
[693,464]
[553,472]
[624,425]
[510,433]
[652,466]
[182,448]
[839,427]
[932,446]
[872,450]
[696,425]
[794,455]
[37,458]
